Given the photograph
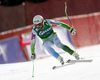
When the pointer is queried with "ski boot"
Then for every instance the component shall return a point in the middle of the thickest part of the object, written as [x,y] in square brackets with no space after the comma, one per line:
[61,60]
[76,55]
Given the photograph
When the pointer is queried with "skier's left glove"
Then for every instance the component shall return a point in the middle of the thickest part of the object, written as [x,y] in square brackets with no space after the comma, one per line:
[73,31]
[33,56]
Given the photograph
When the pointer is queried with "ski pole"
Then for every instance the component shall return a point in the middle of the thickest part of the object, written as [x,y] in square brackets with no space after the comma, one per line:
[33,68]
[67,15]
[68,18]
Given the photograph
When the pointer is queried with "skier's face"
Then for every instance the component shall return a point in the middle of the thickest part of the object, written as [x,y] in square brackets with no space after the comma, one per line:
[39,26]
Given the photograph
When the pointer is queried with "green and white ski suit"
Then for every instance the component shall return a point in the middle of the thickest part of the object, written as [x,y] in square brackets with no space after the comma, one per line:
[49,37]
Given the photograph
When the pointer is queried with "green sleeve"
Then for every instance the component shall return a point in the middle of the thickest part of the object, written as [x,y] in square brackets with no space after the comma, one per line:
[33,46]
[60,24]
[65,26]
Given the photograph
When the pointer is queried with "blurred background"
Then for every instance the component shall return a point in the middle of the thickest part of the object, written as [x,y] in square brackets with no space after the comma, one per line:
[16,18]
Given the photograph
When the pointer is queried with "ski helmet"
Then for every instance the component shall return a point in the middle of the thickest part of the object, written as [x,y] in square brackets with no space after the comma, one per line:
[38,19]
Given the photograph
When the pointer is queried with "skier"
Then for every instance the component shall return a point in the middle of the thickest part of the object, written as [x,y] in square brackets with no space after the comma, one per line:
[43,28]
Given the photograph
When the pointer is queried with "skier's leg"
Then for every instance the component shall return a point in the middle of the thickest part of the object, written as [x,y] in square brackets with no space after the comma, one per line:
[58,43]
[48,46]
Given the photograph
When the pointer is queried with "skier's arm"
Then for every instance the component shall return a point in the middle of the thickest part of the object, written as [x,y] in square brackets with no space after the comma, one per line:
[71,29]
[57,23]
[33,42]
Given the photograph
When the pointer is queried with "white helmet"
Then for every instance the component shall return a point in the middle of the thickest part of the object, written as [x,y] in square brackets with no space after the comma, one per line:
[38,19]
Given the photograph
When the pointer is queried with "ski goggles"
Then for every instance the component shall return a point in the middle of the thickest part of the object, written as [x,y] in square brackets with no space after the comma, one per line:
[38,24]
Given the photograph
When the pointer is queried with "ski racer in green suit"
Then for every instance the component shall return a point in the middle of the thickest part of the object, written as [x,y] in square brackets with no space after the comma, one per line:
[43,28]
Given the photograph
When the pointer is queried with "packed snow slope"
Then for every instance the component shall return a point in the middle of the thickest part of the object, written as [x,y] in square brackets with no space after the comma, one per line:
[44,71]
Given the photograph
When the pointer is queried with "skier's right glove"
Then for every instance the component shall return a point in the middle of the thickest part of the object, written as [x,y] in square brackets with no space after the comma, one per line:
[33,56]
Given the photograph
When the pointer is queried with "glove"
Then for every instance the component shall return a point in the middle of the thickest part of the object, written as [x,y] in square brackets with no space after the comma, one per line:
[73,31]
[33,56]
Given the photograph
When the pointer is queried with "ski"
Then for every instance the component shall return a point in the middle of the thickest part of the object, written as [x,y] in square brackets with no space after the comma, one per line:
[81,60]
[58,66]
[71,62]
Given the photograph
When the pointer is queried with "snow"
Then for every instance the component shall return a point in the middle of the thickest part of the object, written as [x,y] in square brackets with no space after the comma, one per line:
[44,71]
